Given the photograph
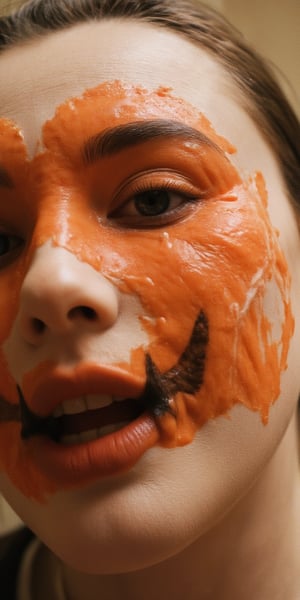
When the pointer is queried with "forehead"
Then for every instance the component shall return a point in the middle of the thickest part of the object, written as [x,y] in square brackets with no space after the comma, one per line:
[42,74]
[39,75]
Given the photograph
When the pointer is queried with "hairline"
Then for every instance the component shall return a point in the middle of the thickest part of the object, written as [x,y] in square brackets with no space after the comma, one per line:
[251,76]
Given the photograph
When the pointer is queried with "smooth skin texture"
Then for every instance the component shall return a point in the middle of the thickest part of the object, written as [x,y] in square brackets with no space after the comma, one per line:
[230,499]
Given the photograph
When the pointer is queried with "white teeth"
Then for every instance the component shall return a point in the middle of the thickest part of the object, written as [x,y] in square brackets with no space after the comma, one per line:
[74,406]
[99,401]
[79,405]
[90,436]
[111,428]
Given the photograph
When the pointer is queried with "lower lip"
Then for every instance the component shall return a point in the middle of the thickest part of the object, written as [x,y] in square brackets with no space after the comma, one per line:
[73,466]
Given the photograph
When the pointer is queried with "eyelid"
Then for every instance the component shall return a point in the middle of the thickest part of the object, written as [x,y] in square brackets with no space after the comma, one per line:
[188,194]
[172,181]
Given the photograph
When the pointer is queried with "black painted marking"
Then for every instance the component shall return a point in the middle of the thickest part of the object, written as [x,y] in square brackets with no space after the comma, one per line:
[160,388]
[32,424]
[186,376]
[156,395]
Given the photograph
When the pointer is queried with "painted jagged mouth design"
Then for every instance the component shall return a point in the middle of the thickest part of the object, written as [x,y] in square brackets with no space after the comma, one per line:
[68,424]
[157,397]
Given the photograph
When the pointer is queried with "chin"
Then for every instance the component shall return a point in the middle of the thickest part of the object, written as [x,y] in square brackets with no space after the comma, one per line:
[168,501]
[120,525]
[116,556]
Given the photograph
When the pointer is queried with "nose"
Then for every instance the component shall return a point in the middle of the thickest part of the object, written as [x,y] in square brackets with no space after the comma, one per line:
[61,295]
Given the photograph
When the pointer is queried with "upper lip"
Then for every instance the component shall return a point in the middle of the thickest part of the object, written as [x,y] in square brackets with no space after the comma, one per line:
[62,383]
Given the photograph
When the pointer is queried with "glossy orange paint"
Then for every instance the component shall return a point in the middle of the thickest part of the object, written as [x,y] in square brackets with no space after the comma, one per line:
[218,253]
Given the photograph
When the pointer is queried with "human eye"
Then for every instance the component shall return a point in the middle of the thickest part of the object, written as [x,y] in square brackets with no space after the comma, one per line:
[154,201]
[10,245]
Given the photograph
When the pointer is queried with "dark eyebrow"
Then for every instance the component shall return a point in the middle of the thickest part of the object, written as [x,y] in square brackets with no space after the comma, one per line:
[5,179]
[112,141]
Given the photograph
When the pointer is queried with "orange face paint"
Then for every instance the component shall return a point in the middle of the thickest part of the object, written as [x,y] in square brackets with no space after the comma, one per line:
[215,252]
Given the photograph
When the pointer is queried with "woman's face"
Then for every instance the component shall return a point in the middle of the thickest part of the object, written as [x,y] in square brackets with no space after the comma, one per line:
[148,281]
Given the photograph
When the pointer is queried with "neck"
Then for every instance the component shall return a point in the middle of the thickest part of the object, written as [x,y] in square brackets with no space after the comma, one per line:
[252,553]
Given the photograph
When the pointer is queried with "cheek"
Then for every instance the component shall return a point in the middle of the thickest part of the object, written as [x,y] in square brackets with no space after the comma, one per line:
[225,261]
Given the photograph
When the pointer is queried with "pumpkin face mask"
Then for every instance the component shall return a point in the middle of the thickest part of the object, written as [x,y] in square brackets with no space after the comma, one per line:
[137,187]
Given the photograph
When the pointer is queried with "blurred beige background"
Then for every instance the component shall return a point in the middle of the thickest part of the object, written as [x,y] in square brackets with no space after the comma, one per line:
[273,27]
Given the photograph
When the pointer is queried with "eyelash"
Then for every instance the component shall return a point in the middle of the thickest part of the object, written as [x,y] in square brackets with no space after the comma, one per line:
[188,194]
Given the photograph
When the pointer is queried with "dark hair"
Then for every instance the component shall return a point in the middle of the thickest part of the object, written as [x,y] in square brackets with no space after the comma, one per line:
[261,94]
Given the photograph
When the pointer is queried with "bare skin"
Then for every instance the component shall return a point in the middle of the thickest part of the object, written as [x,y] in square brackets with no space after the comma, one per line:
[217,565]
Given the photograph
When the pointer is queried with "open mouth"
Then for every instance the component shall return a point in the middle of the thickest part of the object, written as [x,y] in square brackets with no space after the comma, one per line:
[93,414]
[94,419]
[83,419]
[90,417]
[86,437]
[97,421]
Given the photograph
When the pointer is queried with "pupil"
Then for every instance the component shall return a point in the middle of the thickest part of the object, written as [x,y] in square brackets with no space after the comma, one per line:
[152,203]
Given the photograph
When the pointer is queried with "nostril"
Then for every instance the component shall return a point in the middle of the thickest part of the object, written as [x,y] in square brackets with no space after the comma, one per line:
[86,312]
[37,326]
